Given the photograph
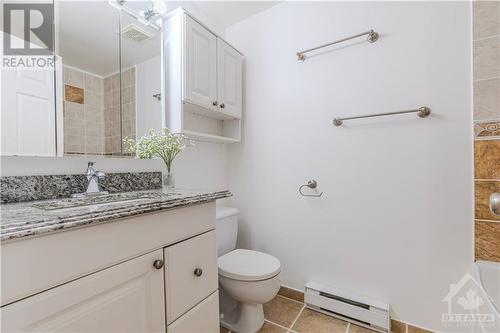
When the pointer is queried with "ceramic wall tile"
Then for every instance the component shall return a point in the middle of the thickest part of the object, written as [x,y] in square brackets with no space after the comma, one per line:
[487,159]
[487,58]
[483,191]
[486,18]
[487,241]
[487,99]
[74,94]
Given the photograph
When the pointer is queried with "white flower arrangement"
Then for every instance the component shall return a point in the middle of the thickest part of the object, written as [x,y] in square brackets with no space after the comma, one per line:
[163,144]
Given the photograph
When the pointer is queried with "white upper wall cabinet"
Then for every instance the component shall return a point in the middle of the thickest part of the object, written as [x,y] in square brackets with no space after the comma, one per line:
[229,78]
[203,81]
[201,65]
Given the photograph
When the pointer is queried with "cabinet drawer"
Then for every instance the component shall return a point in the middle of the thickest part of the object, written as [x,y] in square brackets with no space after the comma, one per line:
[203,318]
[190,273]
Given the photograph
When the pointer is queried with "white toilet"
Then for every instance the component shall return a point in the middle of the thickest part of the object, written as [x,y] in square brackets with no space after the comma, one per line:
[247,278]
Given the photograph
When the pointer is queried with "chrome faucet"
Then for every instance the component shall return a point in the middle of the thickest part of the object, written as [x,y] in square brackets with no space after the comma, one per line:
[92,181]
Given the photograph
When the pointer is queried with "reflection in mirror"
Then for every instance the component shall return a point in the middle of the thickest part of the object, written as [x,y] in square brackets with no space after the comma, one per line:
[105,87]
[27,100]
[102,107]
[141,71]
[89,47]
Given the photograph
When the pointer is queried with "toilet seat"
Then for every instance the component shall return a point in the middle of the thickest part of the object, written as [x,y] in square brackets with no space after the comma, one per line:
[248,265]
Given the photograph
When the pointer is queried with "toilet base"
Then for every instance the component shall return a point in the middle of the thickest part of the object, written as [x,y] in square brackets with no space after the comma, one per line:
[245,318]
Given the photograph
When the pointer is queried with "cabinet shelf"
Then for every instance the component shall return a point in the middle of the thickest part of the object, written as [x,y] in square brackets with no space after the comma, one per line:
[209,137]
[214,114]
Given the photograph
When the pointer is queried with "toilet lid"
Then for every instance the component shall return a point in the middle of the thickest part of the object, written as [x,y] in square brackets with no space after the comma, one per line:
[248,265]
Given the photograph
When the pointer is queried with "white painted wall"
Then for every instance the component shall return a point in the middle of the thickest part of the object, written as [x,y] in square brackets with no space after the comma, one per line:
[201,167]
[395,220]
[148,76]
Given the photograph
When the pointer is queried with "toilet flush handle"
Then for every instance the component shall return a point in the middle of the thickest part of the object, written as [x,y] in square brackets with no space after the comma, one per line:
[198,272]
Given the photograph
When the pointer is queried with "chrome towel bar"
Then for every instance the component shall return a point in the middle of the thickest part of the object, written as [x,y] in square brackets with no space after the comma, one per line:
[422,112]
[372,38]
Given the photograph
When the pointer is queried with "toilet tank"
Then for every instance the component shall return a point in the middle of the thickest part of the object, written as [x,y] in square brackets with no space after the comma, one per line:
[226,229]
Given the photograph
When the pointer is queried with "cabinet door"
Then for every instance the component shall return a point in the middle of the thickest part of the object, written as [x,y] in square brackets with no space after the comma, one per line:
[229,78]
[128,297]
[191,273]
[204,318]
[200,71]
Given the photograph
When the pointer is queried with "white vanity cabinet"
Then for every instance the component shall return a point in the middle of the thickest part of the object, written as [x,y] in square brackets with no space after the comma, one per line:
[190,274]
[155,272]
[124,298]
[204,317]
[203,81]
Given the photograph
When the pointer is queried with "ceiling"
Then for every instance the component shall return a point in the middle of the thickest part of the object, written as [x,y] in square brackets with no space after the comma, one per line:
[88,30]
[227,13]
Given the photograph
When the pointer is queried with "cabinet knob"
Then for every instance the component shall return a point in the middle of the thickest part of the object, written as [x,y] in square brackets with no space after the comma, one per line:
[214,103]
[198,272]
[222,105]
[158,264]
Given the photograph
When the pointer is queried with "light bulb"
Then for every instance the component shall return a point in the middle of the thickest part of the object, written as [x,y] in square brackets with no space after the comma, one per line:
[159,7]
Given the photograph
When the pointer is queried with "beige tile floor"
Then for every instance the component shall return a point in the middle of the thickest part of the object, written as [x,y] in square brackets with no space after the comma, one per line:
[284,314]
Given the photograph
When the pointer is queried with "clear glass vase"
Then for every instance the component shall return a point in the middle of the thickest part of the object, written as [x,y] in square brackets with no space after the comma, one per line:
[168,180]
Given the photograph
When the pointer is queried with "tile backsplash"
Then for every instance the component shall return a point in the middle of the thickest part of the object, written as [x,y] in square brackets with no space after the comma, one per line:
[28,188]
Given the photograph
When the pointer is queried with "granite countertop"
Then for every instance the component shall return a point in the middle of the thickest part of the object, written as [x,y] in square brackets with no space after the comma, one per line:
[43,216]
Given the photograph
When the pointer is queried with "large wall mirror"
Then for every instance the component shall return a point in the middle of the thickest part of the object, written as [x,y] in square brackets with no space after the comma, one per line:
[106,87]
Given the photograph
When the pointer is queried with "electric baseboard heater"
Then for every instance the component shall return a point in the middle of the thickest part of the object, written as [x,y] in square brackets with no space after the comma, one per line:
[356,309]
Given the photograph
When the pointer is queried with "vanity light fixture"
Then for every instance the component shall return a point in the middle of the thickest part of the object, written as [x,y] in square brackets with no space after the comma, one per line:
[158,8]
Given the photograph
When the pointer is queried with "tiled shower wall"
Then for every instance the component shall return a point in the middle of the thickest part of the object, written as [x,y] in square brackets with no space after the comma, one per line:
[486,75]
[92,122]
[83,112]
[129,103]
[112,131]
[113,136]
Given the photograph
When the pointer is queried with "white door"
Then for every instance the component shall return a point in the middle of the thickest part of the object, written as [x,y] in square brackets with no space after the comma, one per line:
[200,71]
[128,297]
[229,78]
[28,113]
